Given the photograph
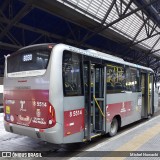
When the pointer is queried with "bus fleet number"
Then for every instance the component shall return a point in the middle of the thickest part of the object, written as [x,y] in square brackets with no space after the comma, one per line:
[75,113]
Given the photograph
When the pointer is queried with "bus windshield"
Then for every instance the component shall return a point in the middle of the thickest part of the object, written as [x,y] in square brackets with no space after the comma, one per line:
[29,59]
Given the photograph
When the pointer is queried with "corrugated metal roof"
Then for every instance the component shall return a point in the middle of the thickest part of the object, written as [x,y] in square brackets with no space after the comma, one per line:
[127,27]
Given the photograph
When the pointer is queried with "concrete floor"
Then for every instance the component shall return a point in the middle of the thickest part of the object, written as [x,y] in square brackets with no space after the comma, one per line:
[142,136]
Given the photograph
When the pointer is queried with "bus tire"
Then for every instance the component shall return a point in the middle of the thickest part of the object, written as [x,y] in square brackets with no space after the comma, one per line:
[113,127]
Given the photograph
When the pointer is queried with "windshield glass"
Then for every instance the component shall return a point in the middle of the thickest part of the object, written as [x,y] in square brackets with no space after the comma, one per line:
[34,58]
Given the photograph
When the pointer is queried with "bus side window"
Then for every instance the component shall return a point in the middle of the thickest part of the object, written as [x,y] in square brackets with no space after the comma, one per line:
[132,79]
[72,85]
[128,79]
[115,78]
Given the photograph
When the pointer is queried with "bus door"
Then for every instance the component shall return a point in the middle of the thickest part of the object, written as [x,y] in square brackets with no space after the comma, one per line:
[94,82]
[99,99]
[87,93]
[147,92]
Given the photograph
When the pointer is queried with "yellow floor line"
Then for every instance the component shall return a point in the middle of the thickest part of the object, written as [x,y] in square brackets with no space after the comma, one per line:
[136,142]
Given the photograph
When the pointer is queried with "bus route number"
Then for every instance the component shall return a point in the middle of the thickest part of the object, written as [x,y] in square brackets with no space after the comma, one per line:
[75,113]
[27,57]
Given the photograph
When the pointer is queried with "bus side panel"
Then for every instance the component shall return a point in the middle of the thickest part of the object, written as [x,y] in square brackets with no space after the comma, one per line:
[56,93]
[136,99]
[125,105]
[63,105]
[73,119]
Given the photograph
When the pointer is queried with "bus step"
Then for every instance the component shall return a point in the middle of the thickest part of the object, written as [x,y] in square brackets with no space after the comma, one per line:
[98,131]
[94,135]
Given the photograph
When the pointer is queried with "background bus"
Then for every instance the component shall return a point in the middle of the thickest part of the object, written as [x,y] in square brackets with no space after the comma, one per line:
[62,94]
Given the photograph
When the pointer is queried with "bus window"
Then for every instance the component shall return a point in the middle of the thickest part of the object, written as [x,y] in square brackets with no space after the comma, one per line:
[36,58]
[115,78]
[132,79]
[71,74]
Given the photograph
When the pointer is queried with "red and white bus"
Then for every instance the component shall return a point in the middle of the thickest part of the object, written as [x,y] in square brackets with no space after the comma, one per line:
[62,94]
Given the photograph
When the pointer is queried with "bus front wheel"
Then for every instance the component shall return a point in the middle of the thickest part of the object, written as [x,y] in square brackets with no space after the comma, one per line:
[113,127]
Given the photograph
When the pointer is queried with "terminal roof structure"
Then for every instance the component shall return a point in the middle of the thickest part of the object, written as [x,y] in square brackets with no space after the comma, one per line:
[129,29]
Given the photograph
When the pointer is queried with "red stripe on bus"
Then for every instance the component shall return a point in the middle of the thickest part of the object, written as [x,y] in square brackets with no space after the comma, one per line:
[73,121]
[123,109]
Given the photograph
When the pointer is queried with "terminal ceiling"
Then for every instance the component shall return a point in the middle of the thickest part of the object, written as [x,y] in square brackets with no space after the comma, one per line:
[129,29]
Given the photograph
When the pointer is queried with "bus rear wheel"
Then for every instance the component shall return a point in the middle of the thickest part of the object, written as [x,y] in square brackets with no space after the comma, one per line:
[113,127]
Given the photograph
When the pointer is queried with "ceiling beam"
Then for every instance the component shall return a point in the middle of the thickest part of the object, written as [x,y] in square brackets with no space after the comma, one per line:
[9,46]
[17,18]
[42,33]
[4,5]
[117,20]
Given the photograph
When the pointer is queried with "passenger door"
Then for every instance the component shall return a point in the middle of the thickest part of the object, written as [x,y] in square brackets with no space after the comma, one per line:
[95,103]
[99,98]
[147,94]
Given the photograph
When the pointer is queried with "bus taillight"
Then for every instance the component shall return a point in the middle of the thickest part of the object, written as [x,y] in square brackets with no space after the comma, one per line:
[52,116]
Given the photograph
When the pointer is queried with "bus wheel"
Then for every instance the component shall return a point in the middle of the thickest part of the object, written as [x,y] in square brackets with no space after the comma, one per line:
[113,127]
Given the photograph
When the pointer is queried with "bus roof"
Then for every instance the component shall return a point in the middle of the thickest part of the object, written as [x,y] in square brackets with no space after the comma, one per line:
[117,59]
[37,45]
[94,53]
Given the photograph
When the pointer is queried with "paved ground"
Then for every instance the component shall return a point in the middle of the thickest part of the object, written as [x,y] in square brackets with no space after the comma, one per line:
[145,137]
[140,136]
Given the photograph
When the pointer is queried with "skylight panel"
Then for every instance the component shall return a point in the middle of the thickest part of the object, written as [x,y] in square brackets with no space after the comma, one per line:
[99,15]
[112,15]
[74,1]
[128,22]
[105,5]
[102,8]
[151,41]
[83,6]
[158,29]
[127,27]
[142,34]
[146,46]
[134,27]
[133,6]
[60,1]
[120,32]
[119,5]
[157,46]
[97,4]
[85,1]
[93,8]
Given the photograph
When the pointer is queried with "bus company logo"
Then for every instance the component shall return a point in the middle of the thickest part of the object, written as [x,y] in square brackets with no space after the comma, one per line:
[123,108]
[22,106]
[10,101]
[38,113]
[25,119]
[12,118]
